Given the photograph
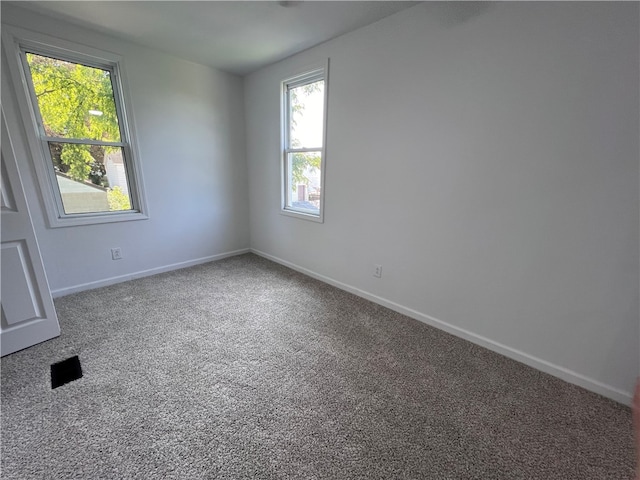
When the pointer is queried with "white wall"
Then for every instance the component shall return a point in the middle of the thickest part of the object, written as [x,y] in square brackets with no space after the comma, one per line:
[487,157]
[190,124]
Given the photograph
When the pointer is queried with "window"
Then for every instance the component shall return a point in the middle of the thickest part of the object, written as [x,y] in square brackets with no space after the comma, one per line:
[74,105]
[303,158]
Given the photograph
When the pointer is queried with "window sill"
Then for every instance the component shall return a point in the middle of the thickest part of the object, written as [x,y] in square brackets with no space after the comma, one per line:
[94,219]
[303,215]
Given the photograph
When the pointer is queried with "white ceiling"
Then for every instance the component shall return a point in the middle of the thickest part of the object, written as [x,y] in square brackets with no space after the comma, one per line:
[236,36]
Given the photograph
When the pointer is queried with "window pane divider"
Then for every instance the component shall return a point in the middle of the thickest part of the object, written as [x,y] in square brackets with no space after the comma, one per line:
[83,141]
[303,150]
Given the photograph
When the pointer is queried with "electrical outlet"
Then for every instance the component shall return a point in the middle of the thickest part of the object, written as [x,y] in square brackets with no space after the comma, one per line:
[377,271]
[116,253]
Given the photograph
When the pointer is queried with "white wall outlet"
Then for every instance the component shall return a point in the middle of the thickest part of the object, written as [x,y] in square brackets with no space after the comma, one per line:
[116,253]
[377,271]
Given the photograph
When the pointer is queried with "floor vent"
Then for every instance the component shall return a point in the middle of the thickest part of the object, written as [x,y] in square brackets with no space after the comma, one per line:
[65,371]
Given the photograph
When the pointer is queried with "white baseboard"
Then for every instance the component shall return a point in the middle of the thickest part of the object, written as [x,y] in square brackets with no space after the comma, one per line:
[144,273]
[537,363]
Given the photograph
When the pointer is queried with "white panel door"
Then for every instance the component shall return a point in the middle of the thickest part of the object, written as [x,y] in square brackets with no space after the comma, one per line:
[28,313]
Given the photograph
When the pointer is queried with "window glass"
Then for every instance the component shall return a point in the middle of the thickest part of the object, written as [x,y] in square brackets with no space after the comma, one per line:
[305,185]
[306,113]
[75,101]
[77,109]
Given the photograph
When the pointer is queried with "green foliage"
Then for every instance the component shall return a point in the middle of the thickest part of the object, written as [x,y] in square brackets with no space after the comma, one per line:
[78,159]
[66,93]
[300,162]
[117,199]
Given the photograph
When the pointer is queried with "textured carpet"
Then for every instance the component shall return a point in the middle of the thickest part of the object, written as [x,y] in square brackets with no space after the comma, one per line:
[245,369]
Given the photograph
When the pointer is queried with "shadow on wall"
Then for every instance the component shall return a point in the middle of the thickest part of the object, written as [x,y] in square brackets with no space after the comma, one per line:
[451,14]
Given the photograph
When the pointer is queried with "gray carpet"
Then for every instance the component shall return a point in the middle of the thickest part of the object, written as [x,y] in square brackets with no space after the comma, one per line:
[245,369]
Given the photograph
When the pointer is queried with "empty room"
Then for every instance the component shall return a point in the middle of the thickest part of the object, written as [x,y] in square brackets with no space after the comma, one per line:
[320,240]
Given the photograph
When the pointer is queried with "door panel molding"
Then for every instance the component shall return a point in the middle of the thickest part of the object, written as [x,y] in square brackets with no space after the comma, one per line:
[20,300]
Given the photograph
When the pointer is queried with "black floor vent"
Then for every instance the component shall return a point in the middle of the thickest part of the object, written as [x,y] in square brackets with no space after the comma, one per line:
[65,371]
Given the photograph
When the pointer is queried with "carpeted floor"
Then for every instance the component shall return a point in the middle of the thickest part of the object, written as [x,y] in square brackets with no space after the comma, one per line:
[244,369]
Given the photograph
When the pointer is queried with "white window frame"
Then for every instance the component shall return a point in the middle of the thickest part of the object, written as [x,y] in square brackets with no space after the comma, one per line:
[15,41]
[312,73]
